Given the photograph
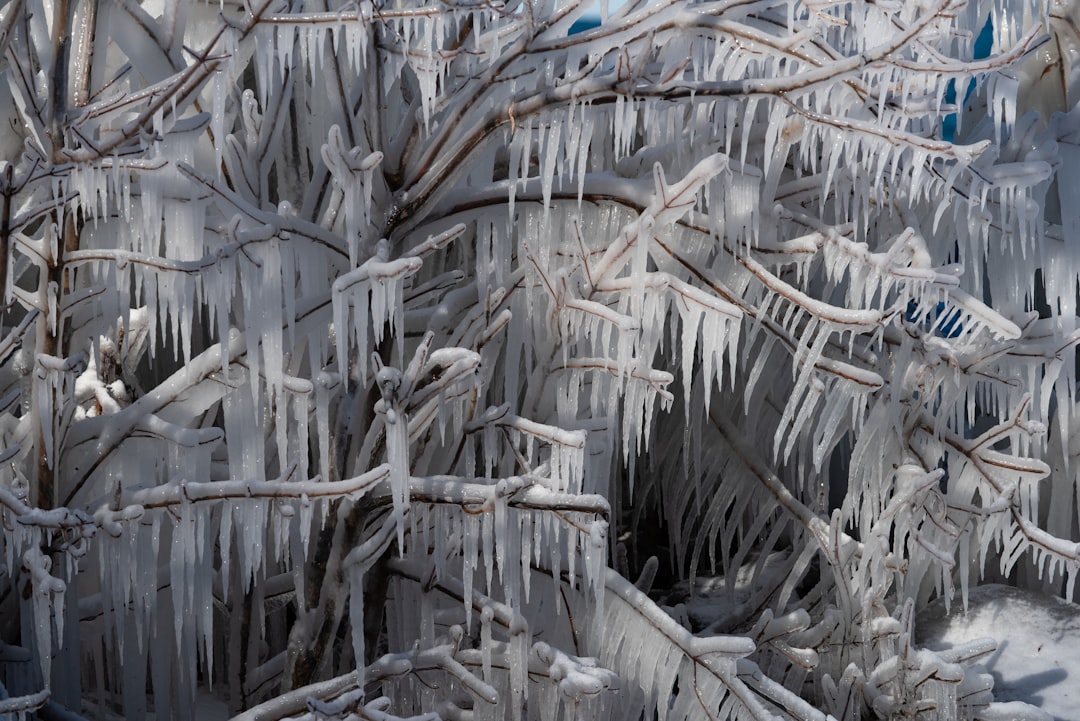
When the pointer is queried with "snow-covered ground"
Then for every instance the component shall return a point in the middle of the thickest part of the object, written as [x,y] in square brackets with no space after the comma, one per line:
[1037,660]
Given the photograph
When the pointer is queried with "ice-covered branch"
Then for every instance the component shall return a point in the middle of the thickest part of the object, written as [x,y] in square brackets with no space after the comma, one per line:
[21,705]
[524,493]
[63,520]
[130,505]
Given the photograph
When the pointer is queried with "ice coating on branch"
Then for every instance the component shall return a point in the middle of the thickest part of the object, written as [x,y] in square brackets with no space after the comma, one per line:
[353,173]
[577,678]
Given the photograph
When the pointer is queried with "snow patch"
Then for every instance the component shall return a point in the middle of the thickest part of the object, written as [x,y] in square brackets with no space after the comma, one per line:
[1037,660]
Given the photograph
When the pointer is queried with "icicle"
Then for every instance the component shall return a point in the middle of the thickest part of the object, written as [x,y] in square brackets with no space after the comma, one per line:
[501,538]
[218,101]
[487,546]
[471,534]
[356,611]
[48,604]
[397,445]
[525,532]
[486,617]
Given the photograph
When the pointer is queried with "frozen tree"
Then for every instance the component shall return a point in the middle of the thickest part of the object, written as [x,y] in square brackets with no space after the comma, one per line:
[351,352]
